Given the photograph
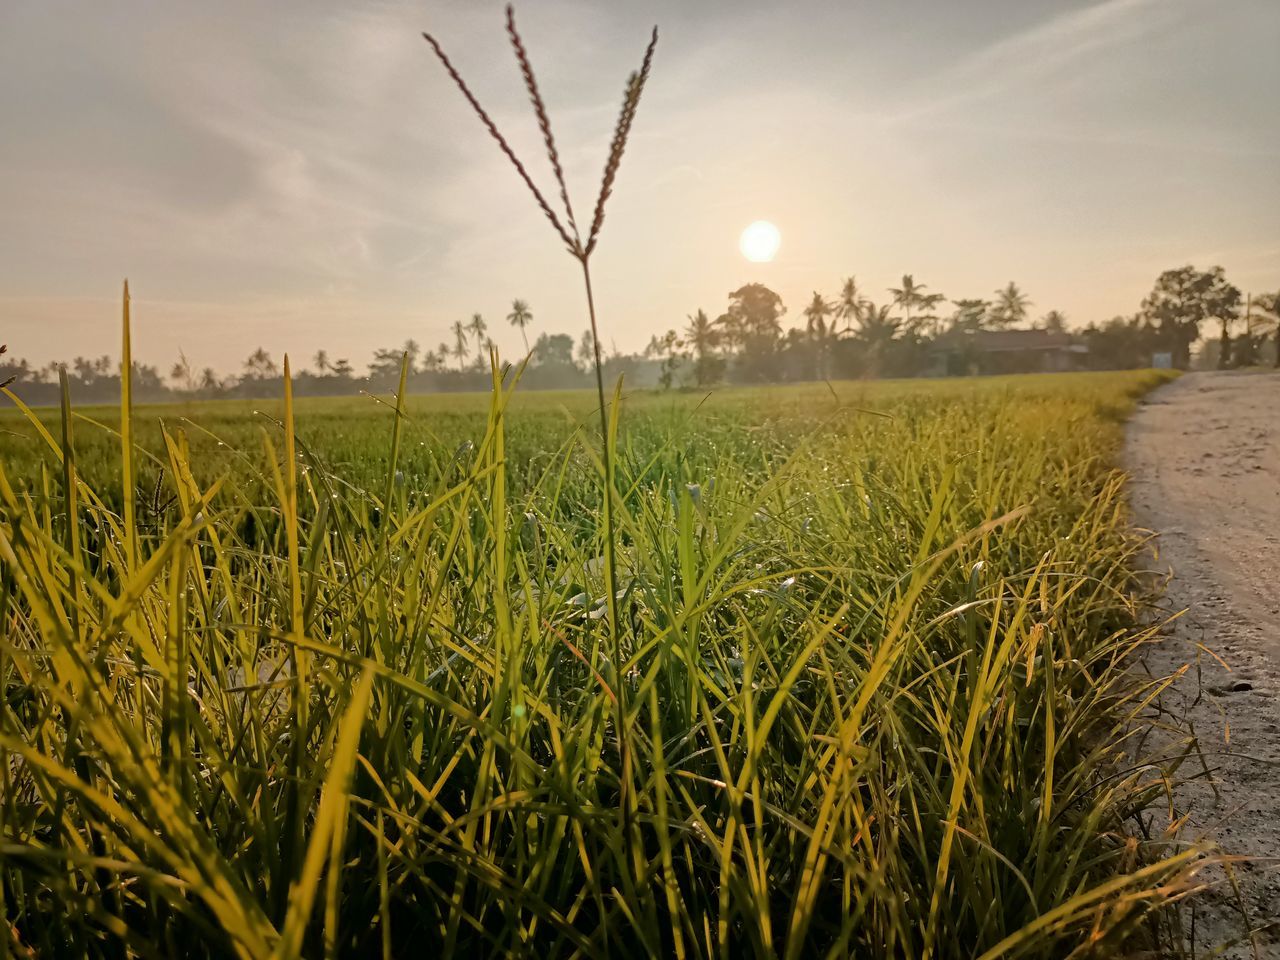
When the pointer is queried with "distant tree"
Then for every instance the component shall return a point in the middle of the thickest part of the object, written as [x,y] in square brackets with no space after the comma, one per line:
[553,353]
[413,350]
[1184,298]
[969,315]
[1122,343]
[209,382]
[911,296]
[752,324]
[1244,349]
[1010,307]
[477,328]
[520,316]
[819,331]
[459,342]
[586,350]
[386,362]
[342,369]
[260,366]
[667,349]
[927,320]
[850,301]
[1263,315]
[877,328]
[1055,321]
[90,373]
[905,296]
[321,360]
[703,338]
[182,375]
[434,361]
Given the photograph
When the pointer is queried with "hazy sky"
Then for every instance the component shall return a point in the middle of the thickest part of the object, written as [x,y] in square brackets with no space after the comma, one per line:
[302,174]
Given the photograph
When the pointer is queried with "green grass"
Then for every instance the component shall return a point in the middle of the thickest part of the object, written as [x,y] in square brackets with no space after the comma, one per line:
[317,700]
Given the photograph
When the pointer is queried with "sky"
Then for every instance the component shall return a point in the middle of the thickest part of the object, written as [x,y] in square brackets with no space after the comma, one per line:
[301,174]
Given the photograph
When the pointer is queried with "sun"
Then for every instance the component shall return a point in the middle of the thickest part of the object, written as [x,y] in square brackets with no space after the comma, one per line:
[760,241]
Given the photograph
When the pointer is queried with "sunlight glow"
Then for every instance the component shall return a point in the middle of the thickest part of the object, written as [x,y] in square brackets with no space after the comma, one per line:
[760,241]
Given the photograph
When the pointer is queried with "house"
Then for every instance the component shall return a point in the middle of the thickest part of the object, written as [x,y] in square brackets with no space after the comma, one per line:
[965,352]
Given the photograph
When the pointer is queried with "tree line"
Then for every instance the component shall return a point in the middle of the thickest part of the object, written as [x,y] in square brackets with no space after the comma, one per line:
[912,331]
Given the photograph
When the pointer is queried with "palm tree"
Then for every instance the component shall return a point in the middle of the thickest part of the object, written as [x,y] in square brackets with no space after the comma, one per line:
[907,295]
[182,374]
[877,328]
[969,315]
[850,302]
[911,295]
[413,350]
[926,303]
[815,315]
[1010,306]
[817,329]
[260,366]
[477,327]
[877,324]
[321,361]
[459,341]
[520,316]
[703,337]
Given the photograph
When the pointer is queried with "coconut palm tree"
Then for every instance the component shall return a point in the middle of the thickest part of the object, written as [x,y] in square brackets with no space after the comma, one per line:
[970,314]
[815,315]
[877,328]
[911,296]
[477,328]
[818,330]
[459,341]
[321,361]
[260,366]
[521,317]
[850,302]
[1010,306]
[702,337]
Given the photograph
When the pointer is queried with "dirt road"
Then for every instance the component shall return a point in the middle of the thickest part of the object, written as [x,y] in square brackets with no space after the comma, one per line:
[1204,455]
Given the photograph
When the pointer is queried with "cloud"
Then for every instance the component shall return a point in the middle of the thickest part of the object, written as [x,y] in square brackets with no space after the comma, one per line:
[1039,52]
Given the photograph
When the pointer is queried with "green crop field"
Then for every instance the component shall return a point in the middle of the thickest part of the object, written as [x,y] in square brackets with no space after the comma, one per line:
[331,681]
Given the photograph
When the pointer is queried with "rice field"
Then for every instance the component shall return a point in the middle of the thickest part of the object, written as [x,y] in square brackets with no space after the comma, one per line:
[349,678]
